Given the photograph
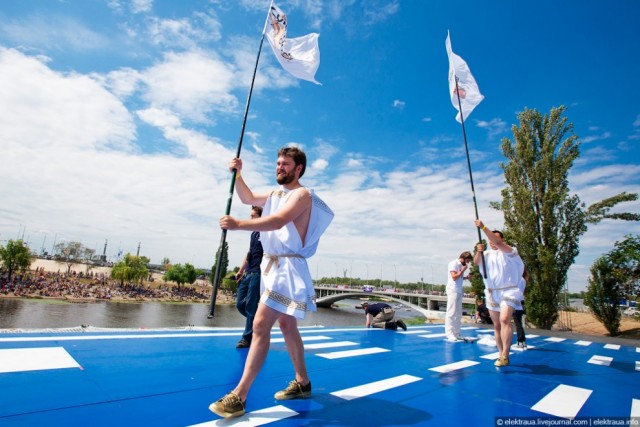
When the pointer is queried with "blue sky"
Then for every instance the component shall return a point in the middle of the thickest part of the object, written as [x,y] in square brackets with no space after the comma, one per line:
[118,119]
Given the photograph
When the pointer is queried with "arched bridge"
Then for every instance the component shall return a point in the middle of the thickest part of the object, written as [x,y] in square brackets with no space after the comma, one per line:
[328,295]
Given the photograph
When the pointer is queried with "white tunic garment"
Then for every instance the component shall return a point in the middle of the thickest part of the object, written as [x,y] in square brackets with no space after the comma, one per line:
[504,279]
[286,281]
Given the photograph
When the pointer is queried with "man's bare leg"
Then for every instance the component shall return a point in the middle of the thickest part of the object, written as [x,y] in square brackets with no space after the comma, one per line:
[497,331]
[506,333]
[295,347]
[262,324]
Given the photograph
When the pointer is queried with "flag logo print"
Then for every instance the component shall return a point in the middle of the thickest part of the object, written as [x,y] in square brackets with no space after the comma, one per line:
[299,56]
[279,24]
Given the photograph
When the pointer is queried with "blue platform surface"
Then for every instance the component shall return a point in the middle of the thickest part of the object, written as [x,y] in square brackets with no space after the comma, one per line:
[361,377]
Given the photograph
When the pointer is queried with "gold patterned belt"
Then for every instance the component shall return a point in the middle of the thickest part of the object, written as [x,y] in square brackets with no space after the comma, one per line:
[273,259]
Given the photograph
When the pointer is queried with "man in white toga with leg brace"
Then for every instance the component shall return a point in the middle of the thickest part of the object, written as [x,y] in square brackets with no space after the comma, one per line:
[292,221]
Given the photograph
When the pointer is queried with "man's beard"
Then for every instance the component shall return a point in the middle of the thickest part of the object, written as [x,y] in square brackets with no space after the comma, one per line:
[285,179]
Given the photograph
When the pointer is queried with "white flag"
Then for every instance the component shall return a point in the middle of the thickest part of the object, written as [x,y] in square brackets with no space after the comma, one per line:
[299,56]
[470,95]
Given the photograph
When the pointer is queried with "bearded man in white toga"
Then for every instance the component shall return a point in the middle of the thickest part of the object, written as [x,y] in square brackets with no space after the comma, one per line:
[292,221]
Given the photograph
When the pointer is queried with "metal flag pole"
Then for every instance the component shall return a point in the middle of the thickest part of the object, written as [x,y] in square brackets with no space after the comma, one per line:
[473,191]
[215,280]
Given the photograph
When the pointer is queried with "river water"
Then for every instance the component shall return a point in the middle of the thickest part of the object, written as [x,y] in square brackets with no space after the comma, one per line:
[20,313]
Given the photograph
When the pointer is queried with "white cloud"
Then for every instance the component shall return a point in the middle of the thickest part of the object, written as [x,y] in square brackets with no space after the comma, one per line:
[159,118]
[592,138]
[186,32]
[59,33]
[122,83]
[495,127]
[193,84]
[319,165]
[398,104]
[140,6]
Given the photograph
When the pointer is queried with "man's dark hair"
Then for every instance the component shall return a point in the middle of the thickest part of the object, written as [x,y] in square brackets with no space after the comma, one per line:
[498,232]
[298,156]
[258,209]
[466,255]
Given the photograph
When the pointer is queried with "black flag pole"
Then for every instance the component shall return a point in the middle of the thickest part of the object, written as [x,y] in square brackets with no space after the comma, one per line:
[215,280]
[473,191]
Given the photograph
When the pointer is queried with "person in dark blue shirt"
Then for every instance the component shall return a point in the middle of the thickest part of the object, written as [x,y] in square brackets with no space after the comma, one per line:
[380,315]
[248,278]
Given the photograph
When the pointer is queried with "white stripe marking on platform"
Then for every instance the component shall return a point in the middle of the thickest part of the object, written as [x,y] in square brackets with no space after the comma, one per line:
[515,347]
[585,343]
[304,339]
[454,366]
[635,408]
[555,339]
[433,336]
[637,365]
[532,336]
[414,331]
[600,360]
[564,401]
[253,419]
[493,356]
[35,359]
[329,345]
[375,387]
[612,347]
[352,353]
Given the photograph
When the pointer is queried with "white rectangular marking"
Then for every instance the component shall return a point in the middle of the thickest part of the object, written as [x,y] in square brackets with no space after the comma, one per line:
[329,345]
[585,343]
[612,347]
[555,339]
[433,336]
[515,347]
[600,360]
[637,365]
[454,366]
[253,419]
[532,336]
[35,359]
[415,331]
[564,401]
[635,408]
[492,356]
[375,387]
[304,339]
[352,353]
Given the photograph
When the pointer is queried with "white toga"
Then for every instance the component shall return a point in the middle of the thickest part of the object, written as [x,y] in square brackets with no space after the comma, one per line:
[504,279]
[286,281]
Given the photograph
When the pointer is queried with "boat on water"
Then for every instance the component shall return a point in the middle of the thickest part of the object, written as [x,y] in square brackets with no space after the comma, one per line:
[168,377]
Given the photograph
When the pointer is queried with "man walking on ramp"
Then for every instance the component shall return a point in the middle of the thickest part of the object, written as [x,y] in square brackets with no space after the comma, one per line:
[292,221]
[502,286]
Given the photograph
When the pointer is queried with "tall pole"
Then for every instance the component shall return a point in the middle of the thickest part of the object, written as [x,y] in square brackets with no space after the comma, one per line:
[473,191]
[216,276]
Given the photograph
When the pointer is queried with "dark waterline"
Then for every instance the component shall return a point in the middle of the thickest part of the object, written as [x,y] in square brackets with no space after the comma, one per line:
[16,313]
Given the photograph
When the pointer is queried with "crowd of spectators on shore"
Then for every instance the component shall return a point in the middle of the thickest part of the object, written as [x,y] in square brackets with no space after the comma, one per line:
[90,286]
